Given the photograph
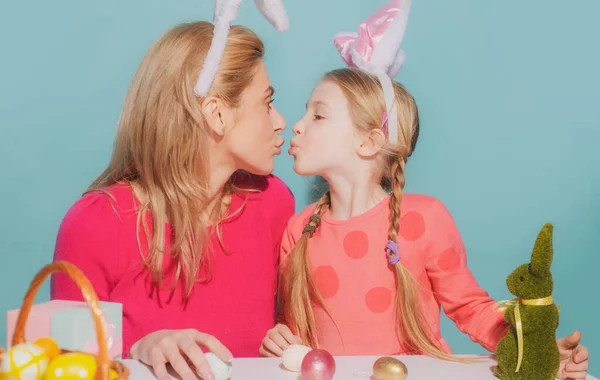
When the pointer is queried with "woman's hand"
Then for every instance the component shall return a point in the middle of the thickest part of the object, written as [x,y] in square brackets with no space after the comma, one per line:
[178,348]
[278,339]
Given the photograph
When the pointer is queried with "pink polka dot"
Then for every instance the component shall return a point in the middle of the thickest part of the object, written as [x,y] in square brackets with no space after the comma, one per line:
[356,244]
[449,260]
[327,281]
[378,300]
[412,226]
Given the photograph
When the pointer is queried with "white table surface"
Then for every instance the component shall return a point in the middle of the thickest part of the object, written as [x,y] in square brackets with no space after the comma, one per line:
[348,368]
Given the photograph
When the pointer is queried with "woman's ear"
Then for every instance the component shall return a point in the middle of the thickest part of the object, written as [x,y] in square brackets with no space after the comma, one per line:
[371,143]
[217,115]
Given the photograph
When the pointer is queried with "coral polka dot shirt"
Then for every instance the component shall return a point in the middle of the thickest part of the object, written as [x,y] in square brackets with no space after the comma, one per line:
[351,271]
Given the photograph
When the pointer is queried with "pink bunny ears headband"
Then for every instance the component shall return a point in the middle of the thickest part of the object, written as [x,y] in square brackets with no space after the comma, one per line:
[376,50]
[225,12]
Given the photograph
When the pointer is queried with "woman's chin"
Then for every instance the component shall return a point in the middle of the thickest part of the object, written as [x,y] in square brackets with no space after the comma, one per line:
[265,169]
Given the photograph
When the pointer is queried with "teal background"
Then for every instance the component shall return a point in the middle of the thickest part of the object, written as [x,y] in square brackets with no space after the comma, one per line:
[508,95]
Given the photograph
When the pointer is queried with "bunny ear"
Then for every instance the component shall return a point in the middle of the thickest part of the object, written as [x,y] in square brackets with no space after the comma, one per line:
[543,253]
[274,11]
[221,5]
[225,12]
[385,53]
[343,43]
[375,48]
[397,64]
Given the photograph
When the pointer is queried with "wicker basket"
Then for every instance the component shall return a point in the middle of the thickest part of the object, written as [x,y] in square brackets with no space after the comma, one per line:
[90,296]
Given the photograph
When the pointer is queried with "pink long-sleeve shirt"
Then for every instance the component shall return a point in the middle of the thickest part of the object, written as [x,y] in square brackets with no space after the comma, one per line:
[98,235]
[353,276]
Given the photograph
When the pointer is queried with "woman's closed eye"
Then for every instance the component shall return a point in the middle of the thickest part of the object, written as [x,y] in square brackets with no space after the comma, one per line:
[270,104]
[318,117]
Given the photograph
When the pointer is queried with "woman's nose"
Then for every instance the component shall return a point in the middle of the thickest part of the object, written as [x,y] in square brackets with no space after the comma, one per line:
[278,122]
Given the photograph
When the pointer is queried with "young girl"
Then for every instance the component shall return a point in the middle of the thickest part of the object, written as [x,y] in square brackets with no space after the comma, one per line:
[367,268]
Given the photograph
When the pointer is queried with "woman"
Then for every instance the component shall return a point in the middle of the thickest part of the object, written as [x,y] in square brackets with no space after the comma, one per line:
[169,229]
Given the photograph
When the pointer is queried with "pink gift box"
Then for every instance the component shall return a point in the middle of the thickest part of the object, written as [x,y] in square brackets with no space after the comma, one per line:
[71,325]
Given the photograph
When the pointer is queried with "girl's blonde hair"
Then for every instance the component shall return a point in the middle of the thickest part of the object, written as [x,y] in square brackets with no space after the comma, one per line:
[161,143]
[297,287]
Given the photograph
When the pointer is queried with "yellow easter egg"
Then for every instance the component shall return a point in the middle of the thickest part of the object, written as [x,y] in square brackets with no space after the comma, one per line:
[388,368]
[23,362]
[74,366]
[49,346]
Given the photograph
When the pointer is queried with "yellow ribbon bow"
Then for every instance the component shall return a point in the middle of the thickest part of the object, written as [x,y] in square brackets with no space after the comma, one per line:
[501,306]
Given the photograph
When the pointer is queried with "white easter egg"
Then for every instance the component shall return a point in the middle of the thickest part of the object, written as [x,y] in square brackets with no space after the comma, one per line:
[221,369]
[24,362]
[293,356]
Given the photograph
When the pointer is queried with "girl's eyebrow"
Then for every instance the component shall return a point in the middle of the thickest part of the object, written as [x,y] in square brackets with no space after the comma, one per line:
[317,103]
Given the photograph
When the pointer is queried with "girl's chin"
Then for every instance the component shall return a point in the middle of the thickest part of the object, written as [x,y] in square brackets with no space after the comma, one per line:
[302,171]
[297,168]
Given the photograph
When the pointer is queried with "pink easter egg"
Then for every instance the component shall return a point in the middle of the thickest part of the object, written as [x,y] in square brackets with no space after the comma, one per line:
[318,365]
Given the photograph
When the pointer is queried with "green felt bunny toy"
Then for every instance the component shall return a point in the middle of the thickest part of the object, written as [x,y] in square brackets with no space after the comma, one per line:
[529,350]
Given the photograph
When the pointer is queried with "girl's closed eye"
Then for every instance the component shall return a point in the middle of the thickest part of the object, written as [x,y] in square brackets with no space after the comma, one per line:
[270,104]
[318,117]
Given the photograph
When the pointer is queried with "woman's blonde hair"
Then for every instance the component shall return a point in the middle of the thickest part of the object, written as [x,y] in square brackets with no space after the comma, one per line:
[298,291]
[161,143]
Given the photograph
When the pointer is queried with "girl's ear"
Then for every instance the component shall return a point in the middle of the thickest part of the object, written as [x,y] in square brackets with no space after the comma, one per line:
[371,143]
[543,252]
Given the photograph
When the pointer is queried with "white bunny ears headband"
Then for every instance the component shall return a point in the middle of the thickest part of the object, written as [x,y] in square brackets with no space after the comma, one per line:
[225,12]
[376,50]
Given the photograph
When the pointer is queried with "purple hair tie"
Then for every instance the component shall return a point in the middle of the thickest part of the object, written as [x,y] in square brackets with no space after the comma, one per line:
[392,252]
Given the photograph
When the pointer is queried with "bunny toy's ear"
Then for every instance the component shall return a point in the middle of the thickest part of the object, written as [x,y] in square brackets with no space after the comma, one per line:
[543,253]
[225,12]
